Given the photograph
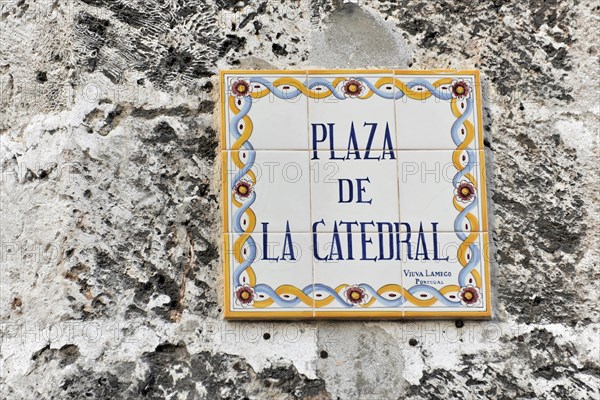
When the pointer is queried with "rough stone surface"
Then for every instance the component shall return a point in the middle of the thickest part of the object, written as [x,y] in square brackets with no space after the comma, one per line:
[110,263]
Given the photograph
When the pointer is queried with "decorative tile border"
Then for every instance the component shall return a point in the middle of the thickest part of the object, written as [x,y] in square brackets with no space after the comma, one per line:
[246,296]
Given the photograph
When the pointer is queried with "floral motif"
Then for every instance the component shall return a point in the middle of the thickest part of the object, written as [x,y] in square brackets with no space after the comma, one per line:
[241,88]
[460,89]
[352,87]
[243,188]
[464,192]
[470,296]
[244,296]
[355,295]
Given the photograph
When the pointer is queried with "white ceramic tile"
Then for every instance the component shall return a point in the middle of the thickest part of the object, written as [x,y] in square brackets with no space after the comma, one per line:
[279,190]
[276,112]
[429,183]
[425,119]
[438,269]
[274,270]
[364,265]
[364,191]
[350,115]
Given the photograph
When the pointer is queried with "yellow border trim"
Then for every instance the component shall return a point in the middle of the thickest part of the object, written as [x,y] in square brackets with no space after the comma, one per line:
[228,312]
[483,192]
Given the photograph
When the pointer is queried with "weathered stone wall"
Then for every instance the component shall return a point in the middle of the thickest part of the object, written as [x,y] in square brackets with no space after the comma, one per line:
[110,217]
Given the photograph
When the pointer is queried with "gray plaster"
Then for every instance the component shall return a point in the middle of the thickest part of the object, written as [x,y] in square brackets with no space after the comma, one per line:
[352,36]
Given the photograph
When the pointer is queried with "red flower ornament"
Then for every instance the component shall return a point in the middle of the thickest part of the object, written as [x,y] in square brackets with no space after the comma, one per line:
[464,192]
[244,296]
[241,88]
[243,189]
[352,87]
[470,296]
[355,295]
[460,89]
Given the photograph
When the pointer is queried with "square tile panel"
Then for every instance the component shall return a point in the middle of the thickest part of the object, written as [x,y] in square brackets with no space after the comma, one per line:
[353,194]
[419,97]
[445,272]
[369,101]
[358,191]
[357,273]
[264,186]
[441,190]
[274,112]
[268,272]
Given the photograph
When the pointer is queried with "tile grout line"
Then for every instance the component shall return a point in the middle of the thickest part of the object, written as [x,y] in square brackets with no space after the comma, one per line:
[397,176]
[360,148]
[366,231]
[310,185]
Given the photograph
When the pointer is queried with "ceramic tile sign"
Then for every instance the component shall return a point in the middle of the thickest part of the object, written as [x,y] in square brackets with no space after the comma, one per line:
[353,194]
